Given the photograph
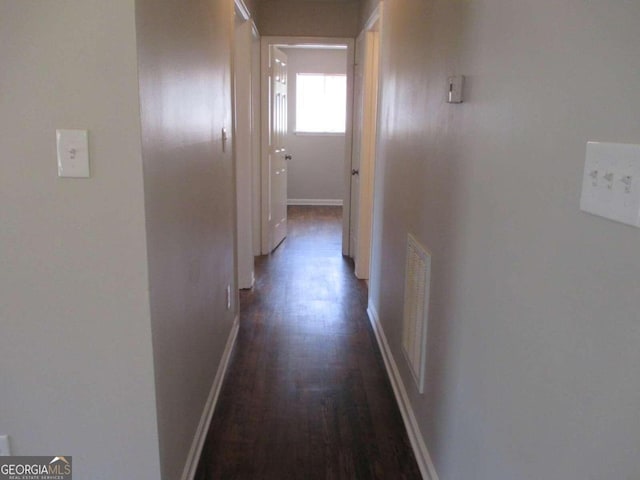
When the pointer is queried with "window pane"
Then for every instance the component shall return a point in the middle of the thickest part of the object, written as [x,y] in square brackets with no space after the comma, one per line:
[321,103]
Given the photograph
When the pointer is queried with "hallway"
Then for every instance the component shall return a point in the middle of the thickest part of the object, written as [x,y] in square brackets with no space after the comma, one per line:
[306,394]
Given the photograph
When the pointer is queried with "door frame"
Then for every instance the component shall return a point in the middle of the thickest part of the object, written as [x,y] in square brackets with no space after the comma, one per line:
[368,141]
[256,120]
[286,41]
[242,132]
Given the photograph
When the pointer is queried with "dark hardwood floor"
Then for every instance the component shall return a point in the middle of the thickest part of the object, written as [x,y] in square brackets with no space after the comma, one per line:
[306,395]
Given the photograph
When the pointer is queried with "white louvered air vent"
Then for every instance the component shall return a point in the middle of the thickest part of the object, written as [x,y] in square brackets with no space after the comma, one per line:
[416,308]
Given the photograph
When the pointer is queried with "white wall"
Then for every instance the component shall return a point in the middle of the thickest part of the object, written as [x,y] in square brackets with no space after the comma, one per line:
[185,95]
[317,168]
[75,337]
[533,358]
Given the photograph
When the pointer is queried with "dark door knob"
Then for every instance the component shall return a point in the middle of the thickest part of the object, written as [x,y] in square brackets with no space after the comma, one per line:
[288,157]
[355,172]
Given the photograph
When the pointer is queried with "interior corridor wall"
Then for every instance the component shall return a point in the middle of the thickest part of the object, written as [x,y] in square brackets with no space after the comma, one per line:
[76,375]
[184,51]
[533,335]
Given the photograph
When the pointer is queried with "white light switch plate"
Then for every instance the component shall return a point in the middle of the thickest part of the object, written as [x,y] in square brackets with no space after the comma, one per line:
[611,182]
[73,153]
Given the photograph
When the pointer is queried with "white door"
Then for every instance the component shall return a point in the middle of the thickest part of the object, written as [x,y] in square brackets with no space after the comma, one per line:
[277,152]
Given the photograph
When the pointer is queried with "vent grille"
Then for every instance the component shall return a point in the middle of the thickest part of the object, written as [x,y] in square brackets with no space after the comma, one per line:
[416,308]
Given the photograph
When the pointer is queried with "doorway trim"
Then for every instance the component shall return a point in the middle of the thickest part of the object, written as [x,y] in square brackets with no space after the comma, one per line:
[369,38]
[286,41]
[242,132]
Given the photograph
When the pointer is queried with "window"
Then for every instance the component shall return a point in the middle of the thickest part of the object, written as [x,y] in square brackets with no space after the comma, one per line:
[321,103]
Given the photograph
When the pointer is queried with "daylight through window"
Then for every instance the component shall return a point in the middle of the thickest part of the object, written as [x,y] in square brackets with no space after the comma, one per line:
[321,103]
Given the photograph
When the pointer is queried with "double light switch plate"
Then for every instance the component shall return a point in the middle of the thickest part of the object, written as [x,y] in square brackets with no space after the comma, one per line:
[611,182]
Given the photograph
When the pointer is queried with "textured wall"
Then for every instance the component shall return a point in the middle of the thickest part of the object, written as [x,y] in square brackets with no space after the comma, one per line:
[534,330]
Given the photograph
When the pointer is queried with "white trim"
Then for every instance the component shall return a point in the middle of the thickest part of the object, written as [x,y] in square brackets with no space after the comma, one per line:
[256,140]
[318,47]
[242,10]
[335,202]
[318,134]
[243,152]
[297,41]
[366,98]
[265,171]
[195,451]
[427,469]
[373,18]
[253,282]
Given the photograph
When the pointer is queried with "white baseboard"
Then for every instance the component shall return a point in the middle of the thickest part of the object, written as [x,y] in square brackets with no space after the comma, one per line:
[427,469]
[193,458]
[331,202]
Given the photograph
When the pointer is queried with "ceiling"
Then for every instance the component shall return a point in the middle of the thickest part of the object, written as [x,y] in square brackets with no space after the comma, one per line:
[323,1]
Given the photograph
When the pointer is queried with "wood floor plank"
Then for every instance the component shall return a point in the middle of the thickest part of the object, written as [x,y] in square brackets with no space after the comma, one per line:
[306,395]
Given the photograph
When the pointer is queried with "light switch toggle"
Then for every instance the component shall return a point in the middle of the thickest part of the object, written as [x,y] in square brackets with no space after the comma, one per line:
[73,153]
[455,84]
[609,178]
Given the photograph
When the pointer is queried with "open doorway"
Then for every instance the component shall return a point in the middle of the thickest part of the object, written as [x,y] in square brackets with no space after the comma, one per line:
[317,124]
[305,159]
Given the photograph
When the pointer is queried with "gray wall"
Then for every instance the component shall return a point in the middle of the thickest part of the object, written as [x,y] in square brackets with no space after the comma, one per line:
[533,340]
[184,57]
[112,289]
[317,169]
[308,18]
[75,337]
